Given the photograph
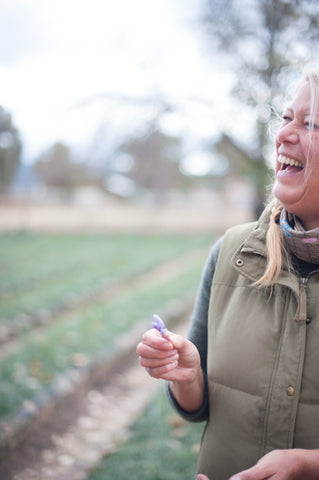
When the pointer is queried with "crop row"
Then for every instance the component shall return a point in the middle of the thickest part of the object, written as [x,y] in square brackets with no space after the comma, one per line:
[40,275]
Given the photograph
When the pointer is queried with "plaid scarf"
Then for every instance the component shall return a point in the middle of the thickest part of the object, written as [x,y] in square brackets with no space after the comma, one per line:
[300,242]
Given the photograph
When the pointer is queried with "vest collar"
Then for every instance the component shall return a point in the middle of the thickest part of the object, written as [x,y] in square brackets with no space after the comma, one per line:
[250,259]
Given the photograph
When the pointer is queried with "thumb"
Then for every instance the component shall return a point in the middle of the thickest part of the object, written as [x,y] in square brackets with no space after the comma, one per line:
[178,341]
[186,349]
[252,473]
[202,477]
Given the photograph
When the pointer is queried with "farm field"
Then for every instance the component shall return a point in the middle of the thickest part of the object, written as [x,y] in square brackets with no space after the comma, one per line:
[41,274]
[65,299]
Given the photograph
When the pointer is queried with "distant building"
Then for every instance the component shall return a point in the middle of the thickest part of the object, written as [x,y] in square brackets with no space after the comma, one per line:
[27,184]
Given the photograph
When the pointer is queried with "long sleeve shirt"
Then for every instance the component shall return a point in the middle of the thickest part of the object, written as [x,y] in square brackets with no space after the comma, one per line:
[198,333]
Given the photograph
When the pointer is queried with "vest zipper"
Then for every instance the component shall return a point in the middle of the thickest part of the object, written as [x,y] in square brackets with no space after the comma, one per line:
[301,315]
[301,318]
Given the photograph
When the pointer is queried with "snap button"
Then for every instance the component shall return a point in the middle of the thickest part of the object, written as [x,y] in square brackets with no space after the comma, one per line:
[239,262]
[290,391]
[308,320]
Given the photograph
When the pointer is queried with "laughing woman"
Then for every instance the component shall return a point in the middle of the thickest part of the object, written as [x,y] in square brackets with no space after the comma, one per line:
[250,367]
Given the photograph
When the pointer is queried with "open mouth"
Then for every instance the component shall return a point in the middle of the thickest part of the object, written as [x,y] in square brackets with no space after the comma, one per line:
[289,165]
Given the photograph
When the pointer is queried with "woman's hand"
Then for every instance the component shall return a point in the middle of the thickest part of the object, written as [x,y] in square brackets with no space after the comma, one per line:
[294,464]
[176,360]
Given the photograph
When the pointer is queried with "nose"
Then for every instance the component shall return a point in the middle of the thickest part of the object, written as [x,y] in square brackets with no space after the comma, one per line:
[288,133]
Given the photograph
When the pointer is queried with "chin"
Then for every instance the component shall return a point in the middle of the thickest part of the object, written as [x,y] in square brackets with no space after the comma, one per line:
[289,198]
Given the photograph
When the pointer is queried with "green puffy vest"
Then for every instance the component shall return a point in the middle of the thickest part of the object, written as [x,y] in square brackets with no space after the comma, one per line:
[263,359]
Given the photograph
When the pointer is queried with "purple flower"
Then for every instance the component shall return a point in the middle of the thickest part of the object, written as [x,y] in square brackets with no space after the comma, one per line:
[160,326]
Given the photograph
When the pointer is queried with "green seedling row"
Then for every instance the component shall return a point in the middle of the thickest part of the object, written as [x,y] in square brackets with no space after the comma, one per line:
[43,273]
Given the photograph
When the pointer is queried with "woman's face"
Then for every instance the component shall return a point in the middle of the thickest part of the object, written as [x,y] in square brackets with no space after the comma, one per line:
[297,163]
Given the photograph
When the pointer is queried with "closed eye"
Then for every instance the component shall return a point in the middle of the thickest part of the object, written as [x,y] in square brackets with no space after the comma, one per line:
[312,126]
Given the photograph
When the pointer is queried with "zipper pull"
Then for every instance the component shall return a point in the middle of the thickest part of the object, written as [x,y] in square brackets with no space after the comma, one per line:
[301,315]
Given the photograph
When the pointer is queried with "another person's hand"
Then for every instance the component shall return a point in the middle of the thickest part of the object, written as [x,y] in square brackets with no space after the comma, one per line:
[294,464]
[176,359]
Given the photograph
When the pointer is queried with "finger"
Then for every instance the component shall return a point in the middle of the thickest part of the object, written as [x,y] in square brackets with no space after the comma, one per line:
[147,351]
[200,476]
[158,362]
[164,371]
[154,339]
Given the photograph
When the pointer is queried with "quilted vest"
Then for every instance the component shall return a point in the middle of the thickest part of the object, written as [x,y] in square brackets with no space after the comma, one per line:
[263,358]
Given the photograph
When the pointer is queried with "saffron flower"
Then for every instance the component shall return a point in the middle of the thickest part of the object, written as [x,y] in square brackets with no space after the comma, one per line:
[160,326]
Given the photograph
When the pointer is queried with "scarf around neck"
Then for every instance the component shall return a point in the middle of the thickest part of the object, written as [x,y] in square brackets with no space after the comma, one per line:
[304,244]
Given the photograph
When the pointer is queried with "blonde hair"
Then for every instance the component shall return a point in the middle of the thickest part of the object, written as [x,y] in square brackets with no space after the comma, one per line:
[274,239]
[274,247]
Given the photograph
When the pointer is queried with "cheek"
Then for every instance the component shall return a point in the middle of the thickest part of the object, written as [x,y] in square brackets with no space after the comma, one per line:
[275,157]
[277,142]
[312,185]
[313,163]
[312,147]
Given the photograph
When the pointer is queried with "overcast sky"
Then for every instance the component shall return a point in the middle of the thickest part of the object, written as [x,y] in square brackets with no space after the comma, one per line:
[67,65]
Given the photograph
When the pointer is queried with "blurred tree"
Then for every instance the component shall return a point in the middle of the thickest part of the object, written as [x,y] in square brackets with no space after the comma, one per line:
[156,161]
[264,40]
[10,150]
[56,169]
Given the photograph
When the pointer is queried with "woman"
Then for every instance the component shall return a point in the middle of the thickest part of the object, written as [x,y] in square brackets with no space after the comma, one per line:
[251,365]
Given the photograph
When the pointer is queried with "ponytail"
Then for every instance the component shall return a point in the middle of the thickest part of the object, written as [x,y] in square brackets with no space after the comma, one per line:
[274,248]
